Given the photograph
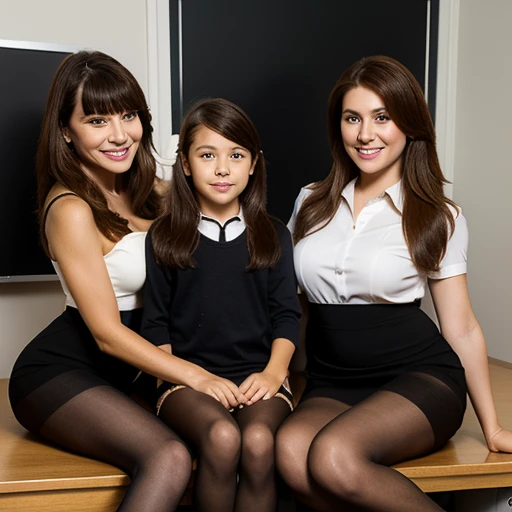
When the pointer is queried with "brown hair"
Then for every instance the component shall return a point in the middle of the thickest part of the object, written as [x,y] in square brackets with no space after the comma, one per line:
[105,87]
[175,235]
[427,221]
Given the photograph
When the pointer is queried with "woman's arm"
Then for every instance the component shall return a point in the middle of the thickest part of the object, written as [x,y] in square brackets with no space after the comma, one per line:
[462,331]
[76,244]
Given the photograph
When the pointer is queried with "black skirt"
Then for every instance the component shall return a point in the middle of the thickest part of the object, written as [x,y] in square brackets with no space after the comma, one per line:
[354,351]
[61,362]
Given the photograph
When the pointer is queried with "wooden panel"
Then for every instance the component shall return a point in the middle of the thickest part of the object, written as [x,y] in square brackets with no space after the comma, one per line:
[104,500]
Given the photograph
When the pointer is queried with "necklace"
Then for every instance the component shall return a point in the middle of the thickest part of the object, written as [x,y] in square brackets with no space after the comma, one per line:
[375,199]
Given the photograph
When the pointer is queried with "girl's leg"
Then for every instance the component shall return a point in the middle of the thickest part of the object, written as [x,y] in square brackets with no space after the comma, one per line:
[103,423]
[293,441]
[207,426]
[257,479]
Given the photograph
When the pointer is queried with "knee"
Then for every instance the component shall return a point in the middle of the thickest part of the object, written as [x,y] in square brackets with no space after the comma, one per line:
[222,444]
[175,455]
[258,448]
[338,468]
[172,460]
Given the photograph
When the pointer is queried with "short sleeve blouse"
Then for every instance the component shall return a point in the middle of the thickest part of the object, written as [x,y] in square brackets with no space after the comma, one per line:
[368,261]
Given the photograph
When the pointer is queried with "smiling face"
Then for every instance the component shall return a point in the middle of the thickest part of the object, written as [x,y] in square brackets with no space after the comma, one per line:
[370,137]
[104,143]
[220,171]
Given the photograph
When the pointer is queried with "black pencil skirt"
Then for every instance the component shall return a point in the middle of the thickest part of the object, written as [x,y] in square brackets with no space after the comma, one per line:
[354,351]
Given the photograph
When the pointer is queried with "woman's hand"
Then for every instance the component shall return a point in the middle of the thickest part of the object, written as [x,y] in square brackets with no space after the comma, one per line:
[223,390]
[500,441]
[259,386]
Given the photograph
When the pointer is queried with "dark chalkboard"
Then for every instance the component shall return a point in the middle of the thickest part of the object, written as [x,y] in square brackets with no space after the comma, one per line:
[26,71]
[279,59]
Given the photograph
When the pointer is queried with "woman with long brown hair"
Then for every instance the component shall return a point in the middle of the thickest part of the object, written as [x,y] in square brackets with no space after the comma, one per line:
[384,384]
[221,293]
[96,178]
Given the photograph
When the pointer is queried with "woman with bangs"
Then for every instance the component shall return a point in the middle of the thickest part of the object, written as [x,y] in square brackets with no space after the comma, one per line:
[97,200]
[384,383]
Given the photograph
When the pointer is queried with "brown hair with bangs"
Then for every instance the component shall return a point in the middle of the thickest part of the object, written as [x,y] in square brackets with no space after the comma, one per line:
[427,221]
[175,235]
[104,87]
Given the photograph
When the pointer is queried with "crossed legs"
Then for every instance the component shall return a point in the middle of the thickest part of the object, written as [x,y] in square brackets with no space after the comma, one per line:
[336,457]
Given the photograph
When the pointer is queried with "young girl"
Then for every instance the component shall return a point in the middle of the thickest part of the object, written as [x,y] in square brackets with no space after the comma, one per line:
[384,384]
[221,293]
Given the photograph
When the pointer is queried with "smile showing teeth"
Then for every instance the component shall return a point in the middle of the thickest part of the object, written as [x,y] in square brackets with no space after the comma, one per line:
[117,153]
[368,151]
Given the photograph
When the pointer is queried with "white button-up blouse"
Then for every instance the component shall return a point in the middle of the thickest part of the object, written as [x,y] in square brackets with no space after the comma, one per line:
[368,261]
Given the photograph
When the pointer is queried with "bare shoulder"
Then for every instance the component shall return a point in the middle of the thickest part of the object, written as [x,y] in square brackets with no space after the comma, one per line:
[70,224]
[67,208]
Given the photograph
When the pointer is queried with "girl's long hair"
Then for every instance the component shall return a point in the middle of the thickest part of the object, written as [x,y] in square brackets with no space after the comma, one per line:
[427,221]
[175,235]
[104,87]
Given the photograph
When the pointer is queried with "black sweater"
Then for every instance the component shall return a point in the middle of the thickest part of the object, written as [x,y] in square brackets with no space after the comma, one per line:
[218,315]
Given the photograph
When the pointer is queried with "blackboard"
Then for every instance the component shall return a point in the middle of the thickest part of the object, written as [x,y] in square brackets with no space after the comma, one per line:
[279,59]
[26,71]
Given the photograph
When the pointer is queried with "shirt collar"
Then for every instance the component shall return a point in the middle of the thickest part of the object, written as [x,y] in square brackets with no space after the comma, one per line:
[396,195]
[394,192]
[240,215]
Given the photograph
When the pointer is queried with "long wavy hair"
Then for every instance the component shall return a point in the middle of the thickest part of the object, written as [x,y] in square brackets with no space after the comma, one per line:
[175,235]
[105,87]
[427,221]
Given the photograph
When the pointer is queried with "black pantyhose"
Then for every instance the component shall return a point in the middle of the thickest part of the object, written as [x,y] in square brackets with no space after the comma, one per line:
[336,457]
[105,424]
[225,445]
[257,472]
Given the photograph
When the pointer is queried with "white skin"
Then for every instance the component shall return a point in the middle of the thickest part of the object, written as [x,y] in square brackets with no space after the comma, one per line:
[365,126]
[220,171]
[106,145]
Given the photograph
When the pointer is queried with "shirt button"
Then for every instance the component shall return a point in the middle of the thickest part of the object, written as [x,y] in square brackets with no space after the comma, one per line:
[338,271]
[343,299]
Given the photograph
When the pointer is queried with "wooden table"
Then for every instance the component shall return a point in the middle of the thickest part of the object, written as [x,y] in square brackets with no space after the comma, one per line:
[465,462]
[35,476]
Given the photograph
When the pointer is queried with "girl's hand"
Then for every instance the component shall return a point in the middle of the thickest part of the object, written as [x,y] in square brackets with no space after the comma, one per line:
[500,441]
[259,386]
[223,390]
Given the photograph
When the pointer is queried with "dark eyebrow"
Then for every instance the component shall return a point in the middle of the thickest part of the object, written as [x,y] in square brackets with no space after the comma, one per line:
[236,148]
[374,111]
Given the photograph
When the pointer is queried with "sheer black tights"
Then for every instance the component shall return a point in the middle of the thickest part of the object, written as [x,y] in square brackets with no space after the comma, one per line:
[105,424]
[336,457]
[226,445]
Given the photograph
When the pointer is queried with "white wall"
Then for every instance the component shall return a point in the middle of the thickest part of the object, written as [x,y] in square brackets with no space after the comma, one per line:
[483,162]
[116,27]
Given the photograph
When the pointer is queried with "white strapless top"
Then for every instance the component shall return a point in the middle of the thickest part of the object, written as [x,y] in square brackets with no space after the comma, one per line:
[126,265]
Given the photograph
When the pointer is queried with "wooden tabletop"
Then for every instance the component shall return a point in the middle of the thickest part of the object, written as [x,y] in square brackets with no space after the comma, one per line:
[465,462]
[28,464]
